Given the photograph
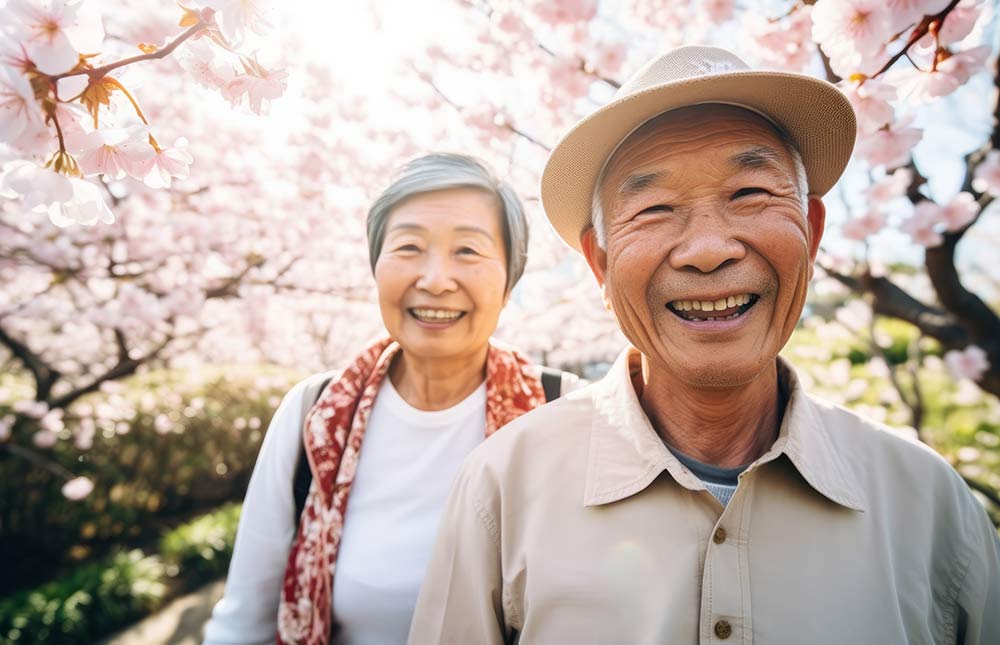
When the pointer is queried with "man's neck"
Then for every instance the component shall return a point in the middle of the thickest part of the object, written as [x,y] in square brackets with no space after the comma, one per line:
[437,384]
[722,427]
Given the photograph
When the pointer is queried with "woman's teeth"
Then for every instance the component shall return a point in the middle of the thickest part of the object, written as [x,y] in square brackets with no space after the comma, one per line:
[437,315]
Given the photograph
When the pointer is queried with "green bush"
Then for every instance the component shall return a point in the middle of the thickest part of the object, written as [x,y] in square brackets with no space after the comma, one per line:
[201,549]
[92,600]
[100,597]
[164,445]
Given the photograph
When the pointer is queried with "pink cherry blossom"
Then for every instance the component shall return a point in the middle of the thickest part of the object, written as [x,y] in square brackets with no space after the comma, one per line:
[83,434]
[784,43]
[890,145]
[54,32]
[166,164]
[31,409]
[924,224]
[511,24]
[564,13]
[890,187]
[607,58]
[922,86]
[37,187]
[970,363]
[718,10]
[960,212]
[851,31]
[18,109]
[870,99]
[52,421]
[987,177]
[860,228]
[259,85]
[44,439]
[117,152]
[85,206]
[77,488]
[237,18]
[206,64]
[962,65]
[960,21]
[906,13]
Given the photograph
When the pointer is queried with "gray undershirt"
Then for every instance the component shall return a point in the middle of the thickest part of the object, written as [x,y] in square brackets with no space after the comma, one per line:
[720,482]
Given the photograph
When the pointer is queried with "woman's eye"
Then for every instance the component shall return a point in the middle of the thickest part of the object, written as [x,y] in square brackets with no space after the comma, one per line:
[408,247]
[467,250]
[744,192]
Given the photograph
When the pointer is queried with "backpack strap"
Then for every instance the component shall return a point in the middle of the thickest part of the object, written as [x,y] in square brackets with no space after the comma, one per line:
[551,383]
[303,474]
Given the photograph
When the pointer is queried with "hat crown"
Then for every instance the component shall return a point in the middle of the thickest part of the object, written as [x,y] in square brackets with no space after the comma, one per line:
[682,63]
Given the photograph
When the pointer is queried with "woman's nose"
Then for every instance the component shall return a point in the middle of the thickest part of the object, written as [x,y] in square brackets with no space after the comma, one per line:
[436,275]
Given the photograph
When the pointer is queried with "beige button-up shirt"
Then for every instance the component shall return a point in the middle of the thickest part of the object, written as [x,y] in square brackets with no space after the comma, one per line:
[576,525]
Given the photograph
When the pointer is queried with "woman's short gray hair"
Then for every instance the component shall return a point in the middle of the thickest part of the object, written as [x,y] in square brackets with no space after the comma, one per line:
[444,171]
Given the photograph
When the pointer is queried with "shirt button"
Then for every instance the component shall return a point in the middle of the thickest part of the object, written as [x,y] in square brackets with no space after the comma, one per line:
[720,535]
[723,629]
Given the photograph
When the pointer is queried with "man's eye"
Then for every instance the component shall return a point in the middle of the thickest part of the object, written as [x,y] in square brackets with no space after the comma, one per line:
[743,192]
[659,208]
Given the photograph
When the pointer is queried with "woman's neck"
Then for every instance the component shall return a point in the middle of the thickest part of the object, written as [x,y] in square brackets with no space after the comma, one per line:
[437,384]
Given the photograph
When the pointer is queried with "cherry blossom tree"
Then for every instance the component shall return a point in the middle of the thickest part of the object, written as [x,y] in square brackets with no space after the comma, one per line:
[203,200]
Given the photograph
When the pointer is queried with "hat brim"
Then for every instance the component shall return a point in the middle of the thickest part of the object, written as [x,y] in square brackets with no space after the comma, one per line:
[815,114]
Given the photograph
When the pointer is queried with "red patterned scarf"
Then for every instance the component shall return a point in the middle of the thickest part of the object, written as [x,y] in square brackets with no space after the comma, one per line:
[332,433]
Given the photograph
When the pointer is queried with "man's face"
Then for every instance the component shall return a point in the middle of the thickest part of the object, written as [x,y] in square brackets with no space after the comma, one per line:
[709,248]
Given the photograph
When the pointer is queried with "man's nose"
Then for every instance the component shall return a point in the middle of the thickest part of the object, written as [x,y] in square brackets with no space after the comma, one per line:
[707,244]
[436,274]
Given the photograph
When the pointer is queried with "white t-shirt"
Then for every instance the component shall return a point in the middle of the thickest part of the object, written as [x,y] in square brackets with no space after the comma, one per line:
[406,469]
[407,465]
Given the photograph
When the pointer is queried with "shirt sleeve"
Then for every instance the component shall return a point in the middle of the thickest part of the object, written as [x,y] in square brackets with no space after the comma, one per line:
[460,599]
[248,611]
[979,597]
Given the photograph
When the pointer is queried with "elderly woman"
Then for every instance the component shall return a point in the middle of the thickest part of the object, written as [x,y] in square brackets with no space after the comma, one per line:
[447,244]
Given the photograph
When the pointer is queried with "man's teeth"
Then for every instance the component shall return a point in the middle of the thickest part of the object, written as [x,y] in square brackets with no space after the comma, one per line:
[439,315]
[712,305]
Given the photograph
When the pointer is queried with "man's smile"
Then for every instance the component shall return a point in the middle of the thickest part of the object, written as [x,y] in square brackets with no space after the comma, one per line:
[727,308]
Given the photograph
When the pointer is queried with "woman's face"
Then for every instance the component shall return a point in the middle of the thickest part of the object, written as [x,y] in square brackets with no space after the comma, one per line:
[441,275]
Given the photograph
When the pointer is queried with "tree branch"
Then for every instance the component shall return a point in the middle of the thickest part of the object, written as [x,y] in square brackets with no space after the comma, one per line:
[99,72]
[44,375]
[121,369]
[888,299]
[940,260]
[983,490]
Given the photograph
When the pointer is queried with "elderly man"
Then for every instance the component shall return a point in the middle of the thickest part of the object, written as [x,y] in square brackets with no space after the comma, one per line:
[697,494]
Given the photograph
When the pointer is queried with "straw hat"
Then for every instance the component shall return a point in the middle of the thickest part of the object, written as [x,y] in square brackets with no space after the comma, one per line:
[816,115]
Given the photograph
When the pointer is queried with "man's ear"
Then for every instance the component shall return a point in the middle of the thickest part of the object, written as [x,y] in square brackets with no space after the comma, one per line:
[816,221]
[597,259]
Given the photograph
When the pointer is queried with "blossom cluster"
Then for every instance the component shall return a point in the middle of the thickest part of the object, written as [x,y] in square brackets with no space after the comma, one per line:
[69,124]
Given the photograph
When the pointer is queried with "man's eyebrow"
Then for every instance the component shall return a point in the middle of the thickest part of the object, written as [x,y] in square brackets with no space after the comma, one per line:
[635,184]
[761,157]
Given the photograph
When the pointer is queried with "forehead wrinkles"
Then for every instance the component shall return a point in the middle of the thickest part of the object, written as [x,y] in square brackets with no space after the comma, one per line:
[690,130]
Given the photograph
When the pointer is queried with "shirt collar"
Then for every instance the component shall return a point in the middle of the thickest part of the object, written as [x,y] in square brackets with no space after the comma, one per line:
[626,454]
